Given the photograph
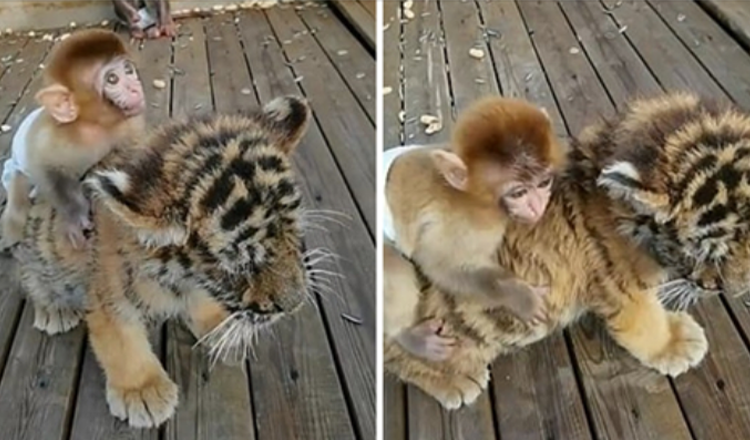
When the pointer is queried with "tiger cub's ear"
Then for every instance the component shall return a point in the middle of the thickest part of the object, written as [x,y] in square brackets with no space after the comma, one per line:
[624,182]
[286,118]
[154,223]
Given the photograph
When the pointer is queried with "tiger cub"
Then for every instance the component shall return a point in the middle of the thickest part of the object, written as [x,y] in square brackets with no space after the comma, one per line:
[199,220]
[681,165]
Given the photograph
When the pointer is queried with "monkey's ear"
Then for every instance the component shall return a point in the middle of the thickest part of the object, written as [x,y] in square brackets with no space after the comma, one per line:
[452,168]
[287,118]
[58,101]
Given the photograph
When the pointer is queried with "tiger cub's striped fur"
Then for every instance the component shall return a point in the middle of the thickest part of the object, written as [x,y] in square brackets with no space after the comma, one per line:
[681,164]
[199,220]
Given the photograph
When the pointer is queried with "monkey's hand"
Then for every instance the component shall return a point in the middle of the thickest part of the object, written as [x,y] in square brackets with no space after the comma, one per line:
[527,302]
[424,340]
[76,231]
[77,222]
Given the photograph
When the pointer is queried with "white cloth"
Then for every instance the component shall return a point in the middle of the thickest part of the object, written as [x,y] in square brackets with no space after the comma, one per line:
[389,156]
[17,162]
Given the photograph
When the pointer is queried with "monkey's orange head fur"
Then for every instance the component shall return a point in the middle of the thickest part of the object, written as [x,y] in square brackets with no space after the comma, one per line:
[508,134]
[79,52]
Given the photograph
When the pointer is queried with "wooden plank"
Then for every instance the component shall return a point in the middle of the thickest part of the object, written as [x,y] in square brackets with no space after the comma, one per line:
[355,65]
[38,386]
[470,78]
[10,48]
[92,417]
[517,67]
[581,96]
[392,101]
[717,51]
[715,396]
[558,410]
[370,6]
[671,63]
[11,303]
[192,90]
[361,20]
[232,86]
[14,84]
[302,368]
[394,409]
[735,15]
[349,132]
[610,53]
[536,396]
[619,406]
[426,89]
[214,402]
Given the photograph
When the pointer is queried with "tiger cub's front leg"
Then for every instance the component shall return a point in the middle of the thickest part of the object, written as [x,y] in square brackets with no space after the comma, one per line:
[138,388]
[670,342]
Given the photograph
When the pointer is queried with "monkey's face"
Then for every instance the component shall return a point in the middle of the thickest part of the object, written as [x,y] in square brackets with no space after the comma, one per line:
[117,81]
[526,200]
[215,204]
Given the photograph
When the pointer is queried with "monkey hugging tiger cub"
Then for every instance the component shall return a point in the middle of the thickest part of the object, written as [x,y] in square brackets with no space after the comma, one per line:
[198,220]
[658,194]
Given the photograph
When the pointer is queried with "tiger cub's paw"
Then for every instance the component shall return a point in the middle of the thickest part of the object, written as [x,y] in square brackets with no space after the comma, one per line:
[147,406]
[460,390]
[53,320]
[687,347]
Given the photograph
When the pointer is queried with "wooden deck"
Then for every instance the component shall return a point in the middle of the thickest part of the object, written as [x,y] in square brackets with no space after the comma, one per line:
[579,59]
[314,376]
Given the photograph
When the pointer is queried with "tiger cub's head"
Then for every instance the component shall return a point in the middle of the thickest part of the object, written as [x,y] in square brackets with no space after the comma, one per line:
[683,168]
[214,204]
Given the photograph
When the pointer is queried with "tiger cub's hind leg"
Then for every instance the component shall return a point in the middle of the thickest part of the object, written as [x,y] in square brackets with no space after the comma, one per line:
[453,389]
[670,342]
[55,311]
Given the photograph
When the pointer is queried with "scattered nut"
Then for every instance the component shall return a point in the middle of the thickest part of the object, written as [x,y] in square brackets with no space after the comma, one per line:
[48,37]
[622,29]
[32,34]
[681,18]
[401,116]
[574,50]
[409,14]
[218,8]
[231,8]
[408,4]
[387,90]
[360,75]
[73,24]
[105,23]
[428,119]
[434,127]
[246,91]
[5,128]
[64,36]
[342,52]
[160,83]
[476,53]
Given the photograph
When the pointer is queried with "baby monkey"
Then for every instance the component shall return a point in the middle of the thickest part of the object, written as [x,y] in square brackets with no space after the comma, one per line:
[91,98]
[447,211]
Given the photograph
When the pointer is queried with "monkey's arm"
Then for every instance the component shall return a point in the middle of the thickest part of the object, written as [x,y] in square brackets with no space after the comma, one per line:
[453,269]
[401,297]
[16,210]
[65,193]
